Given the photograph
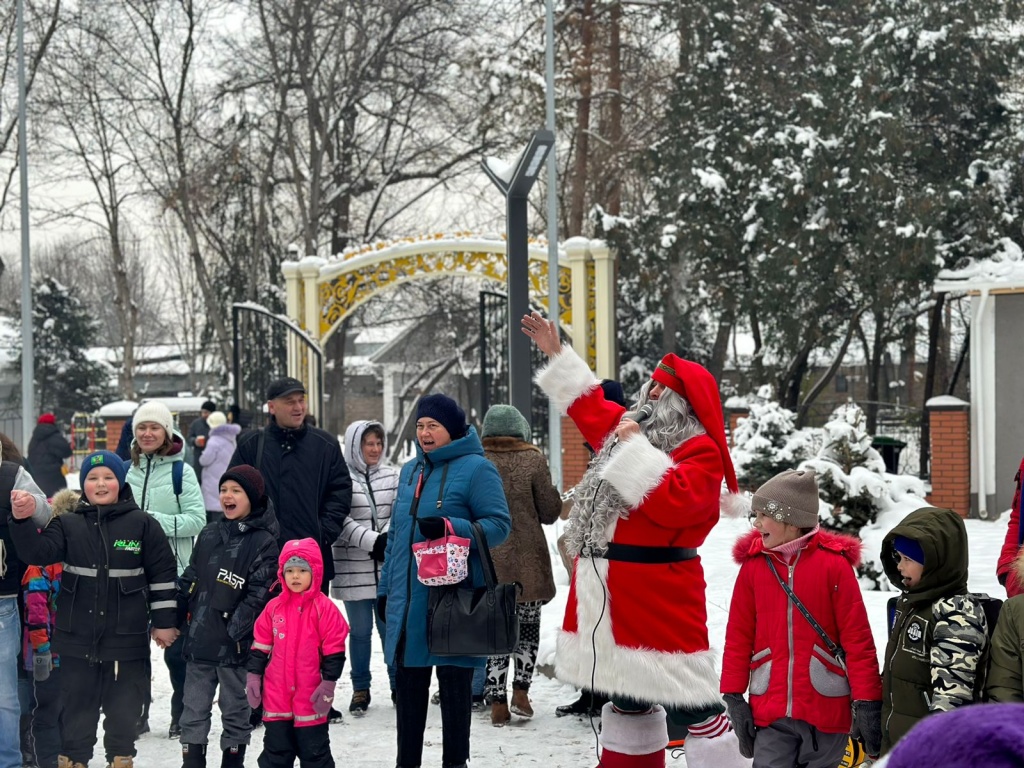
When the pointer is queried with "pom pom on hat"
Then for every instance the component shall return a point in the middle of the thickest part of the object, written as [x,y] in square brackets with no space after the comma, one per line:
[908,548]
[789,497]
[46,418]
[103,459]
[216,418]
[445,412]
[505,421]
[156,413]
[251,481]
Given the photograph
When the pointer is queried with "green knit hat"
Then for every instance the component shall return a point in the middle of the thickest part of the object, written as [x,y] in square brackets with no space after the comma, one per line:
[506,421]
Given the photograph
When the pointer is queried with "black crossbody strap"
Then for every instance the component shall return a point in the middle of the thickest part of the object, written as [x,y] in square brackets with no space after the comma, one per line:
[834,649]
[490,575]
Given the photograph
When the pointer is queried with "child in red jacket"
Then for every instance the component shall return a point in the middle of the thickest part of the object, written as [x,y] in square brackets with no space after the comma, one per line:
[800,691]
[298,653]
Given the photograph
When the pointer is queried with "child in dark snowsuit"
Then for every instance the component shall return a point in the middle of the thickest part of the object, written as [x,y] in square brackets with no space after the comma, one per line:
[938,632]
[118,580]
[221,593]
[298,654]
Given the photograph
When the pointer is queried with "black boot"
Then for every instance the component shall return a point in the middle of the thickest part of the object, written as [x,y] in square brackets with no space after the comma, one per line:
[234,757]
[587,705]
[193,756]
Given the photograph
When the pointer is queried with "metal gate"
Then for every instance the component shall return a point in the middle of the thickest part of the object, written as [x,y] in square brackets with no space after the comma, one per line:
[267,346]
[494,365]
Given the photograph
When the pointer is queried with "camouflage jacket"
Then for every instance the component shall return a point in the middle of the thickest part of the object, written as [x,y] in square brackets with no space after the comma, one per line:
[938,633]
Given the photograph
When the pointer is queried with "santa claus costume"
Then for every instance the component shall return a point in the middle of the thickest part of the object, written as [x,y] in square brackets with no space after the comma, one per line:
[635,624]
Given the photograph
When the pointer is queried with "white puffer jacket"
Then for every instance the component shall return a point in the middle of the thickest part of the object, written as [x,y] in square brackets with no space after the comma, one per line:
[355,571]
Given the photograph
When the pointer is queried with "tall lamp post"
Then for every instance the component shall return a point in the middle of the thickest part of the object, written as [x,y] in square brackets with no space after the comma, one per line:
[515,182]
[27,351]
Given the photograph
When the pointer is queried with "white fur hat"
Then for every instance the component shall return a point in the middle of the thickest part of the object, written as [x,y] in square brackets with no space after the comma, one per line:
[216,418]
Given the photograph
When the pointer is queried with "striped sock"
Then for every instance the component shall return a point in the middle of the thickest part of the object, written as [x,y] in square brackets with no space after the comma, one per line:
[710,728]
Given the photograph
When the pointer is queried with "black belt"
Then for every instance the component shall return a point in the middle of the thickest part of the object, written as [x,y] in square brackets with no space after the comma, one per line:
[632,553]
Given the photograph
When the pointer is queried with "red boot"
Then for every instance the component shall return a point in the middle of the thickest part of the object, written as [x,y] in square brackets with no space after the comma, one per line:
[633,741]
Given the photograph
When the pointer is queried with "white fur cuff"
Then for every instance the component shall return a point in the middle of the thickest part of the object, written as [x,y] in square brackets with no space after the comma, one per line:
[565,378]
[633,734]
[635,469]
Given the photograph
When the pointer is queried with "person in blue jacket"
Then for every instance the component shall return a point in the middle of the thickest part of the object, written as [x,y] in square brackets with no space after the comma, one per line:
[450,478]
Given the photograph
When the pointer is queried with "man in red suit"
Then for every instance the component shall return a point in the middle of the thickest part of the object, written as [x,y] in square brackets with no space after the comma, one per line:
[635,624]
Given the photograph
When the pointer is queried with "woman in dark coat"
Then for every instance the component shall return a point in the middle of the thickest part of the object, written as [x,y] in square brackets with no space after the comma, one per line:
[46,453]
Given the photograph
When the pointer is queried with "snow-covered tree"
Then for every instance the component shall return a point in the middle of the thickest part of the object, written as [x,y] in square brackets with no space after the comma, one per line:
[767,442]
[63,330]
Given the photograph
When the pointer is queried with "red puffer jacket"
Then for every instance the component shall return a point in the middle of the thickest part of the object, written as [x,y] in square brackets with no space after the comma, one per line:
[773,651]
[1011,545]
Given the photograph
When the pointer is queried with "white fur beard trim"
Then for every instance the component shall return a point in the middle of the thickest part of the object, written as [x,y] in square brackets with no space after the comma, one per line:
[679,679]
[633,734]
[565,378]
[635,469]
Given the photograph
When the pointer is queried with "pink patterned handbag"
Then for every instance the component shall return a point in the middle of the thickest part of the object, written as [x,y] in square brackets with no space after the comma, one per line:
[442,562]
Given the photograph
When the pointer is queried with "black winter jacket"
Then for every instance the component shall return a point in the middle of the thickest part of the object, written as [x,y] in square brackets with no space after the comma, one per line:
[307,479]
[226,585]
[119,577]
[46,453]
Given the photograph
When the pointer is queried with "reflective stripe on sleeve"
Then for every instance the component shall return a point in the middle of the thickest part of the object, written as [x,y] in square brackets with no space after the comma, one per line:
[262,646]
[163,604]
[161,585]
[80,571]
[126,571]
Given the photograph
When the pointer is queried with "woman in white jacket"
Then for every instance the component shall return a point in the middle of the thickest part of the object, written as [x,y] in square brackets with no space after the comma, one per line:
[359,550]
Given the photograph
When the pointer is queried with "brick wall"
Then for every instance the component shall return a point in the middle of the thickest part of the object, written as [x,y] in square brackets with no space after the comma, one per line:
[575,457]
[735,414]
[951,456]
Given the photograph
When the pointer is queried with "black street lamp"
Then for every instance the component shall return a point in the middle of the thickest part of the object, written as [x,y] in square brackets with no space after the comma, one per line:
[515,182]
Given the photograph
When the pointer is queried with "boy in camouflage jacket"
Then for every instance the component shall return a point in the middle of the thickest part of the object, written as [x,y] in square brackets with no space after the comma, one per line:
[938,632]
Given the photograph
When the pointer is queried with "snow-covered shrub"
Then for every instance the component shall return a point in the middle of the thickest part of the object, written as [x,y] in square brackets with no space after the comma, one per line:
[767,442]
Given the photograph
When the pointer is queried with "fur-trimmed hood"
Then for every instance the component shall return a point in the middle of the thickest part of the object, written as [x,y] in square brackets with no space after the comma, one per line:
[750,545]
[505,444]
[65,501]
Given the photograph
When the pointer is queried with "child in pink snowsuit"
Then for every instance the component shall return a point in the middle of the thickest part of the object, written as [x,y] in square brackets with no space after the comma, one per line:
[298,653]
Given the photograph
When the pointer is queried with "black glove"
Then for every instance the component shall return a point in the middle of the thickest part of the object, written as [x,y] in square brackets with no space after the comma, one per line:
[432,527]
[867,726]
[742,720]
[379,545]
[382,608]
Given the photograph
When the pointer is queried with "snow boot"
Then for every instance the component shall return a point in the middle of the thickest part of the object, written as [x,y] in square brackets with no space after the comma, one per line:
[63,761]
[500,715]
[633,741]
[234,757]
[521,703]
[714,744]
[587,705]
[193,756]
[122,762]
[360,702]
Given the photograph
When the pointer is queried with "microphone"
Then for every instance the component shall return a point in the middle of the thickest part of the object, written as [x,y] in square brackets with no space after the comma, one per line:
[643,413]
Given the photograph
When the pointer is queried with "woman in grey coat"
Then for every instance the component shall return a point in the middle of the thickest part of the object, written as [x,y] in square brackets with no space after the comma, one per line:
[359,549]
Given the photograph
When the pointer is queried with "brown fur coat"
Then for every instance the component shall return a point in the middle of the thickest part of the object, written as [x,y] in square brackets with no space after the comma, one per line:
[532,501]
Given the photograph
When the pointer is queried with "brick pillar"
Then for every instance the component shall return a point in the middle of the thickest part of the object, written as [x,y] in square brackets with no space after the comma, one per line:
[575,457]
[950,454]
[735,414]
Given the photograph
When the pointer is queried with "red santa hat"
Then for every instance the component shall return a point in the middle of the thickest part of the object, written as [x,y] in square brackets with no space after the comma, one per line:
[695,384]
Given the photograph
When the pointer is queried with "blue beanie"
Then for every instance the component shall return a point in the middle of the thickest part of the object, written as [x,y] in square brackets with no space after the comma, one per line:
[103,459]
[445,412]
[909,548]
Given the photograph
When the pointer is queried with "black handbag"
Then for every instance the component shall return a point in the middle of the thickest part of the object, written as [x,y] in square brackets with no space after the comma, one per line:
[474,621]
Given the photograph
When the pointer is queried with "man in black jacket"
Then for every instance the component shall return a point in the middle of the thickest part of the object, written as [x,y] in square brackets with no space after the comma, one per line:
[305,474]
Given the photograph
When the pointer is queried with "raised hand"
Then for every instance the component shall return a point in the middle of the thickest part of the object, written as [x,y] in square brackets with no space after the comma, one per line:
[543,332]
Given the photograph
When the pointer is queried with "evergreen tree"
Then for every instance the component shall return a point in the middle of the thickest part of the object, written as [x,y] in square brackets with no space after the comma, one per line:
[767,442]
[66,381]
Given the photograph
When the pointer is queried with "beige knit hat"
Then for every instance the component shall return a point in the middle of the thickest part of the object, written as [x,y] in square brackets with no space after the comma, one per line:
[789,497]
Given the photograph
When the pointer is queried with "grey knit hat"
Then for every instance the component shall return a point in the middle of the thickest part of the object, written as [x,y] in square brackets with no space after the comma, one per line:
[297,562]
[506,421]
[789,497]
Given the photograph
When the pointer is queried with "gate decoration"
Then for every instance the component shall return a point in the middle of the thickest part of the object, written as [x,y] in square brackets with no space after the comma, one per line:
[267,346]
[323,292]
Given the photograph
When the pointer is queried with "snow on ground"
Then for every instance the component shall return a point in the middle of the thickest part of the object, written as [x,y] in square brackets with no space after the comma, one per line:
[545,740]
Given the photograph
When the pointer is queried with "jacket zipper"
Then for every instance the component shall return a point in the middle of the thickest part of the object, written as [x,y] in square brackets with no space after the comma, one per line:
[892,658]
[792,649]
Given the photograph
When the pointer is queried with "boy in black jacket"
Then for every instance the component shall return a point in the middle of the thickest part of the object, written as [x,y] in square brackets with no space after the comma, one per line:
[118,580]
[221,593]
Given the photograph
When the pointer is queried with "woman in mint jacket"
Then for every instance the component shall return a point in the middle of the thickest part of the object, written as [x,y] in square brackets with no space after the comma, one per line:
[449,479]
[156,448]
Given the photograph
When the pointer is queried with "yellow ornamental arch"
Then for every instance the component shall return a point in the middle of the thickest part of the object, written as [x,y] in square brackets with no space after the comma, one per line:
[321,293]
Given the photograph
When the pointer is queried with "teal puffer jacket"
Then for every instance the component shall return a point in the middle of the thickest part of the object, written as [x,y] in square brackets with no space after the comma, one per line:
[182,518]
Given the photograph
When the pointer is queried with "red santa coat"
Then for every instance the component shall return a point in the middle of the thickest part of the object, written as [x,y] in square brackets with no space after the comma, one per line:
[771,648]
[297,630]
[651,634]
[1011,544]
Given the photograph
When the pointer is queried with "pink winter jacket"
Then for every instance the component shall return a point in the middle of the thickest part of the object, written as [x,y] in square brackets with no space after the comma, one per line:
[303,634]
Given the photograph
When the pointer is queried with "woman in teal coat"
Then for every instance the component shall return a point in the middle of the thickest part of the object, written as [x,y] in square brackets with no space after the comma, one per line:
[450,478]
[157,447]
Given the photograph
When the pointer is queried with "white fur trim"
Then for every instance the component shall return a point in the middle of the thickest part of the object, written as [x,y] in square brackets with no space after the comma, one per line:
[565,378]
[591,659]
[635,469]
[633,734]
[720,752]
[734,504]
